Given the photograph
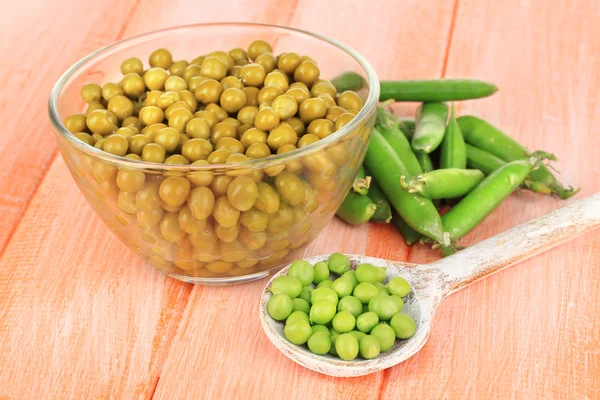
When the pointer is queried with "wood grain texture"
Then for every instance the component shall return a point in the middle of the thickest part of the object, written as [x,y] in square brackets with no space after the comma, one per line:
[38,49]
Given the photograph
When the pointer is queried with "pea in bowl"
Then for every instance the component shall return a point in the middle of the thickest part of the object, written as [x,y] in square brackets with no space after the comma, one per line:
[220,159]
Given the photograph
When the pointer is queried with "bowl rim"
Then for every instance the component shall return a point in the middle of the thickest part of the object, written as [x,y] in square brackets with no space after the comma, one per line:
[366,112]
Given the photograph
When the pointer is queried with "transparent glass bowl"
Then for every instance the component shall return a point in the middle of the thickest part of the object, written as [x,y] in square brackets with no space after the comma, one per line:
[143,222]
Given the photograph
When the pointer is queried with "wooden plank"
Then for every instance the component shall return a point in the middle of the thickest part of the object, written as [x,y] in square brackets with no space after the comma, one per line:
[55,35]
[81,316]
[220,337]
[531,331]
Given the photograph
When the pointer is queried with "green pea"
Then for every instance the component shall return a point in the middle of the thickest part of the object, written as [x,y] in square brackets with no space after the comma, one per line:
[306,293]
[384,306]
[369,347]
[386,336]
[358,335]
[321,272]
[338,263]
[367,321]
[351,275]
[298,332]
[324,284]
[350,304]
[381,288]
[398,286]
[319,343]
[333,339]
[296,316]
[346,346]
[288,285]
[403,325]
[343,322]
[300,305]
[320,328]
[303,271]
[324,294]
[280,306]
[399,302]
[343,287]
[321,312]
[370,273]
[364,291]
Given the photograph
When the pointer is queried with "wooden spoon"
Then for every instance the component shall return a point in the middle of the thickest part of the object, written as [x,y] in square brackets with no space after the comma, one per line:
[433,282]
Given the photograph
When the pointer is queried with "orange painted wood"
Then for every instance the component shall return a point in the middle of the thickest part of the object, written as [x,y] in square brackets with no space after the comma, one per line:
[41,39]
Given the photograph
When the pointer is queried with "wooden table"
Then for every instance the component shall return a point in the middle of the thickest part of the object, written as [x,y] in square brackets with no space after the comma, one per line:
[81,317]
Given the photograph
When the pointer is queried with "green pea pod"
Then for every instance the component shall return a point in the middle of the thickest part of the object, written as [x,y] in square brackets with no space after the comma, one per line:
[348,81]
[484,199]
[430,128]
[425,161]
[482,160]
[485,136]
[409,234]
[402,148]
[447,183]
[383,212]
[361,182]
[453,153]
[356,209]
[436,90]
[386,167]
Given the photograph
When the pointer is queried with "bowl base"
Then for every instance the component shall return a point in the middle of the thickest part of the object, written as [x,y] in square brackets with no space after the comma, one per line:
[224,281]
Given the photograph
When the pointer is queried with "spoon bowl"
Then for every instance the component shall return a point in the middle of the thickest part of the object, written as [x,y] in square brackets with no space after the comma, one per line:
[431,283]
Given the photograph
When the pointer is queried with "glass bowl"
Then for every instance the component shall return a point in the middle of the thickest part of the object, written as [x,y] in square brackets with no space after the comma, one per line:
[310,182]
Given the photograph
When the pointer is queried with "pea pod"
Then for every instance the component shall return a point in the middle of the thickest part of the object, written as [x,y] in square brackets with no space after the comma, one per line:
[447,183]
[361,182]
[482,160]
[387,168]
[485,136]
[348,81]
[436,90]
[453,153]
[356,209]
[409,234]
[430,128]
[383,212]
[402,148]
[424,160]
[484,199]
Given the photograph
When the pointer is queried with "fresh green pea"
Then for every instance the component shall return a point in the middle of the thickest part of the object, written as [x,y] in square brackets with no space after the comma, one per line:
[399,301]
[369,347]
[288,285]
[321,272]
[324,294]
[338,263]
[301,305]
[280,306]
[306,294]
[343,287]
[350,275]
[398,286]
[367,321]
[384,306]
[346,346]
[358,335]
[320,328]
[298,332]
[350,304]
[370,273]
[297,316]
[364,291]
[303,271]
[343,322]
[319,343]
[382,289]
[386,336]
[325,284]
[403,325]
[321,312]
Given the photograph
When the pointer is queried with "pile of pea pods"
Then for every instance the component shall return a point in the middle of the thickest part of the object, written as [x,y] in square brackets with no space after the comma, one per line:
[417,167]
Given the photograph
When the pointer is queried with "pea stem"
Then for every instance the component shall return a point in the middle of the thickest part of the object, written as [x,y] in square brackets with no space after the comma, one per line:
[361,182]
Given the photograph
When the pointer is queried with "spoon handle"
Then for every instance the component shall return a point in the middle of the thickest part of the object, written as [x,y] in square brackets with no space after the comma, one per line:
[518,244]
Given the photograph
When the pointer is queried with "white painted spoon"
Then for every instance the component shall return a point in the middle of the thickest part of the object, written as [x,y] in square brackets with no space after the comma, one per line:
[433,282]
